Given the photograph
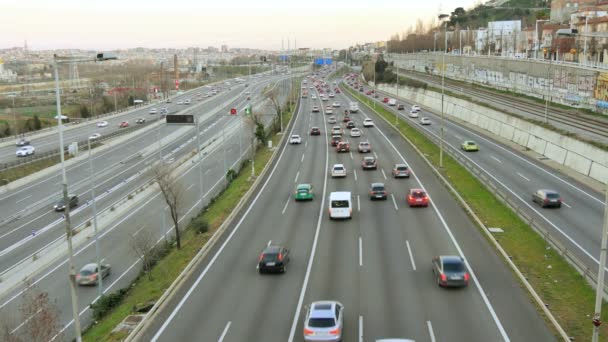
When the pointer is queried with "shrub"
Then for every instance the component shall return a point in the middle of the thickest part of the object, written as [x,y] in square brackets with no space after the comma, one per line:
[106,303]
[199,225]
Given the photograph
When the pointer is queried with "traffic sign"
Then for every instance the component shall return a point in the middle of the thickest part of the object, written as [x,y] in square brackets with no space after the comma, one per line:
[180,119]
[233,111]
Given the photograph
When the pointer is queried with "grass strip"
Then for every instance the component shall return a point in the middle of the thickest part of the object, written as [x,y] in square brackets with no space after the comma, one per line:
[561,287]
[15,173]
[168,268]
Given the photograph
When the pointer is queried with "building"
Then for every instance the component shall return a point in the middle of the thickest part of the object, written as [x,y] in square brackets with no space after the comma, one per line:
[503,35]
[562,9]
[224,48]
[6,75]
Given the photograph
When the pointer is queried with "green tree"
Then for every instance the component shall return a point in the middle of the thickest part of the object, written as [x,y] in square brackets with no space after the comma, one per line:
[37,123]
[84,111]
[131,100]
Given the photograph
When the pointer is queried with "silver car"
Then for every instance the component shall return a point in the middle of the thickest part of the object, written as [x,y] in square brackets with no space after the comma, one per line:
[324,321]
[89,275]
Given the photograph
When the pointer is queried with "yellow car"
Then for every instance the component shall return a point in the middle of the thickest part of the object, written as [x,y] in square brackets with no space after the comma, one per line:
[469,146]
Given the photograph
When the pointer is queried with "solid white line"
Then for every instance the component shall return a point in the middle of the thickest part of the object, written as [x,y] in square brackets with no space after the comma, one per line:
[285,207]
[566,204]
[206,172]
[522,176]
[190,187]
[394,202]
[360,251]
[375,155]
[355,171]
[23,199]
[351,155]
[431,333]
[358,203]
[296,179]
[409,250]
[498,160]
[225,332]
[360,328]
[138,230]
[269,243]
[383,174]
[302,157]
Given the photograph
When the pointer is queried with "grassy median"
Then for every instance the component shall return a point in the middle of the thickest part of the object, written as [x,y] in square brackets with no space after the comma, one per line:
[169,267]
[568,296]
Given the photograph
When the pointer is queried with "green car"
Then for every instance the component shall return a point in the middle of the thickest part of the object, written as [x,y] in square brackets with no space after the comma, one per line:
[303,192]
[470,146]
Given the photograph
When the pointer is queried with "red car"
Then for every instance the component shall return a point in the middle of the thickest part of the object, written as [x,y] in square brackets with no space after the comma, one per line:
[124,124]
[369,92]
[343,147]
[346,118]
[385,100]
[335,140]
[337,90]
[417,198]
[315,131]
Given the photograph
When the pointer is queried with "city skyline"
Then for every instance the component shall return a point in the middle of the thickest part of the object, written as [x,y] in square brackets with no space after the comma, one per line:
[66,24]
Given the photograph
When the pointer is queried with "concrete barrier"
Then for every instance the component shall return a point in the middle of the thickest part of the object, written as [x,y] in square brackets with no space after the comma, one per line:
[580,156]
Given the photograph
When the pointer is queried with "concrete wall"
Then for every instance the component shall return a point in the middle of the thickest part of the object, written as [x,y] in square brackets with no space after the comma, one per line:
[564,83]
[579,156]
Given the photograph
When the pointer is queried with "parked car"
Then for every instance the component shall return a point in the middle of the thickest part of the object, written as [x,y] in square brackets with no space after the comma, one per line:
[60,205]
[273,259]
[89,274]
[25,151]
[547,198]
[450,271]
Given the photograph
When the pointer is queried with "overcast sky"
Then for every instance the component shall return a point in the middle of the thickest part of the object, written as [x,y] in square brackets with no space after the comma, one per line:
[110,24]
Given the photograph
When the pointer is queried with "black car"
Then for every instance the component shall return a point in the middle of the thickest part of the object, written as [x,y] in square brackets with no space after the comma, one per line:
[450,271]
[22,142]
[350,124]
[400,107]
[377,191]
[273,259]
[60,205]
[315,131]
[547,198]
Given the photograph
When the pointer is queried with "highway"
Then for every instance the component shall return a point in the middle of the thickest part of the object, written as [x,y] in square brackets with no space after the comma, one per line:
[576,225]
[139,216]
[377,264]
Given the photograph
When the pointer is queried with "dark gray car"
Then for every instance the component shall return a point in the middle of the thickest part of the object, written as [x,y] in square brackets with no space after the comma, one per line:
[547,198]
[450,271]
[377,191]
[60,205]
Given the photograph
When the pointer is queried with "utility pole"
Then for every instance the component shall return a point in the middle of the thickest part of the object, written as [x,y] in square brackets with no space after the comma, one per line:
[441,130]
[97,253]
[599,291]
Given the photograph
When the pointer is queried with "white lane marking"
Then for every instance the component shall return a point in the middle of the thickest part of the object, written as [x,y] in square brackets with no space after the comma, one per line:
[383,174]
[224,332]
[206,172]
[296,316]
[522,176]
[269,243]
[409,250]
[23,199]
[358,203]
[498,160]
[360,328]
[375,155]
[286,204]
[360,251]
[480,290]
[431,333]
[297,175]
[355,171]
[394,202]
[351,155]
[190,187]
[566,204]
[138,230]
[306,144]
[303,154]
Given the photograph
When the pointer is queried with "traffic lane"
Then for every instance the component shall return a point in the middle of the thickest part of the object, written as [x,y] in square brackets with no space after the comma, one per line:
[517,314]
[122,258]
[258,228]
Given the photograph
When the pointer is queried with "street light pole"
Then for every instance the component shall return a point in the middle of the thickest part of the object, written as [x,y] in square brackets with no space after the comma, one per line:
[68,228]
[200,157]
[15,115]
[441,129]
[599,291]
[585,48]
[97,254]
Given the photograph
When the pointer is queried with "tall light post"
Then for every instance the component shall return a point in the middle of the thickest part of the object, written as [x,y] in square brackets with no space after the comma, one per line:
[57,60]
[585,43]
[442,17]
[14,114]
[92,185]
[537,45]
[200,157]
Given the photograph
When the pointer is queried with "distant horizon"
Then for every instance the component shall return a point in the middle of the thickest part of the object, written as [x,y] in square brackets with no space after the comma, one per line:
[69,24]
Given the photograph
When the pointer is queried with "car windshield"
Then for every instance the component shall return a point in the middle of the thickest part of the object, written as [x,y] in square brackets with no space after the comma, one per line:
[321,322]
[470,143]
[378,188]
[453,266]
[401,168]
[270,257]
[86,272]
[418,194]
[339,204]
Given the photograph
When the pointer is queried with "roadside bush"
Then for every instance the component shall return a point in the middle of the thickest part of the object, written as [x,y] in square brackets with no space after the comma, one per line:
[231,175]
[106,303]
[199,225]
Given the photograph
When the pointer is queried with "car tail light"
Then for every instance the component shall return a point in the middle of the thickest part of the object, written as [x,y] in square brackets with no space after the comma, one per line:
[335,331]
[261,257]
[466,276]
[410,198]
[385,193]
[280,257]
[308,332]
[443,277]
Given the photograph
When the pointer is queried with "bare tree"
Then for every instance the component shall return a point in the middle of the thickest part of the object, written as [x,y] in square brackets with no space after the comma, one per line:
[40,317]
[272,95]
[142,245]
[172,191]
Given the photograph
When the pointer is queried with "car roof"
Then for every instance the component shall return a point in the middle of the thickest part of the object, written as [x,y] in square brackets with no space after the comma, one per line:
[400,165]
[364,143]
[89,267]
[339,195]
[369,158]
[323,309]
[451,259]
[342,165]
[273,249]
[417,190]
[377,184]
[304,186]
[548,191]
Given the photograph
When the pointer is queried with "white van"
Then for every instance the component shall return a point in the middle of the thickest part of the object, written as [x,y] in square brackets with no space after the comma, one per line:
[392,102]
[340,205]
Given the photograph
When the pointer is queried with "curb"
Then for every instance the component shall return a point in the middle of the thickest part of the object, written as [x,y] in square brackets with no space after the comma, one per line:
[200,256]
[470,211]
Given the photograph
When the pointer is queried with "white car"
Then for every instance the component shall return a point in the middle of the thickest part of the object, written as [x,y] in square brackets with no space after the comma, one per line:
[355,132]
[102,124]
[331,95]
[180,102]
[295,139]
[336,104]
[415,108]
[25,151]
[324,98]
[187,101]
[315,109]
[338,170]
[425,121]
[392,102]
[152,110]
[329,111]
[368,123]
[313,97]
[331,120]
[336,130]
[95,136]
[413,114]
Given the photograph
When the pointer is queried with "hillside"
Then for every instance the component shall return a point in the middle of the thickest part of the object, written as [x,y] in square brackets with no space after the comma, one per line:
[525,10]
